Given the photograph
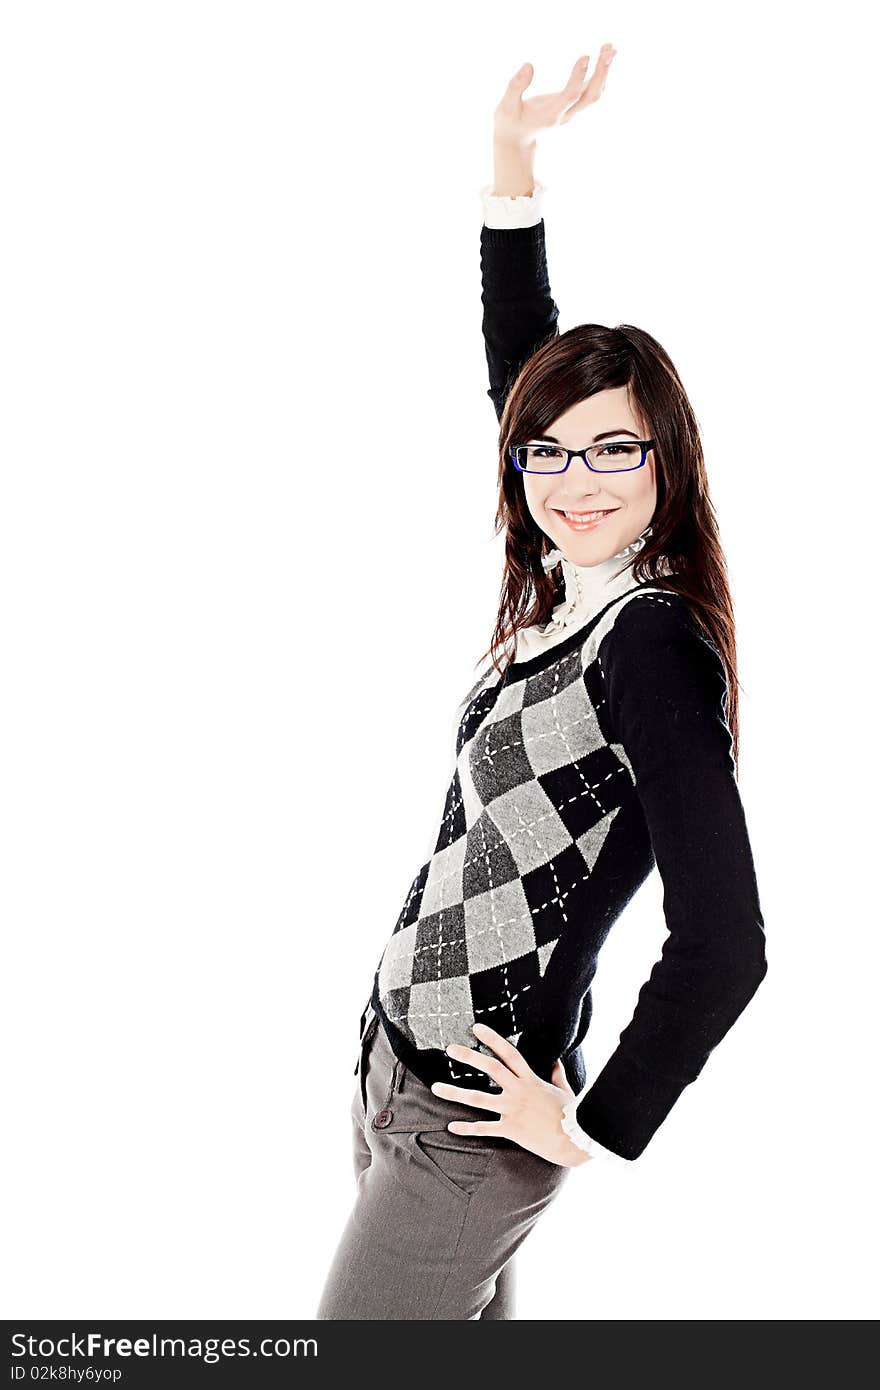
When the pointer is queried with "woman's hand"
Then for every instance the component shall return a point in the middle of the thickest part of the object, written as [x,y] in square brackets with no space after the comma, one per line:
[517,122]
[530,1109]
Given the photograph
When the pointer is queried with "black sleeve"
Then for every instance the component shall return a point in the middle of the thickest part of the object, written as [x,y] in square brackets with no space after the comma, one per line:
[665,688]
[519,314]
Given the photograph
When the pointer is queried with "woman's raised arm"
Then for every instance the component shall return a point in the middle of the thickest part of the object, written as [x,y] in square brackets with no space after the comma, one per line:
[519,314]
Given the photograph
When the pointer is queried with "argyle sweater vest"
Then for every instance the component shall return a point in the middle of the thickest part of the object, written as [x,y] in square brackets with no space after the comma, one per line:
[575,773]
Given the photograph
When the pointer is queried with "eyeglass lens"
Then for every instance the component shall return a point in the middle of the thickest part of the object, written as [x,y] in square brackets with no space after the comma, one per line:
[609,458]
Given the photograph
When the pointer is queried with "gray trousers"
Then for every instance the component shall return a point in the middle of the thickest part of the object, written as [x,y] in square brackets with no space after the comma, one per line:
[438,1215]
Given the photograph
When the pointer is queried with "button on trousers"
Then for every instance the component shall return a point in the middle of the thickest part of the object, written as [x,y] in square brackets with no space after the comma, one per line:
[438,1215]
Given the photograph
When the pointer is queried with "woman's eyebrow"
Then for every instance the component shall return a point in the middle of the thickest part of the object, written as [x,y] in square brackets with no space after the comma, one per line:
[606,434]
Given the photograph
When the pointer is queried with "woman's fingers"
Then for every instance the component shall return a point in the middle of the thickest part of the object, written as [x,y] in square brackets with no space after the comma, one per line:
[574,87]
[559,1078]
[518,83]
[480,1100]
[494,1128]
[575,82]
[596,84]
[480,1061]
[510,1055]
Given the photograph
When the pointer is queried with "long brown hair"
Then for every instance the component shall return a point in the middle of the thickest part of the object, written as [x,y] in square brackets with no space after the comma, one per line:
[683,537]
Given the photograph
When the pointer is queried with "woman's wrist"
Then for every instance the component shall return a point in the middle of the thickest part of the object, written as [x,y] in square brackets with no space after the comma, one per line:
[514,168]
[576,1156]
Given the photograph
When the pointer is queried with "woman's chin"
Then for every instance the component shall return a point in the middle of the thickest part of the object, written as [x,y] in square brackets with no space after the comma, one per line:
[588,544]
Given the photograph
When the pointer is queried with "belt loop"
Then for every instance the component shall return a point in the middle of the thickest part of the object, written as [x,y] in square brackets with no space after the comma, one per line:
[369,1033]
[396,1078]
[363,1076]
[395,1084]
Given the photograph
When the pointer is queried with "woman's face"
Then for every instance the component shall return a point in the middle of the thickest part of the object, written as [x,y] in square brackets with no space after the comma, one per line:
[628,499]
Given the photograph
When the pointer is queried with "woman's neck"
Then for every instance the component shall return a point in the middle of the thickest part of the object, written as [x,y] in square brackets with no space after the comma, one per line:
[587,587]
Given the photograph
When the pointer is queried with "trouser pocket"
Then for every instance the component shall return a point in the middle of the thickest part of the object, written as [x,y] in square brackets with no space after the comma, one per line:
[441,1155]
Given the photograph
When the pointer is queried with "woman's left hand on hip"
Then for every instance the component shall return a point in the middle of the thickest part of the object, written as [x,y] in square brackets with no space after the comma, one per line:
[530,1108]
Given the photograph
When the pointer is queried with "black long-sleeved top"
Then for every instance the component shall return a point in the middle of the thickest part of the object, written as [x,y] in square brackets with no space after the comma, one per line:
[519,313]
[576,773]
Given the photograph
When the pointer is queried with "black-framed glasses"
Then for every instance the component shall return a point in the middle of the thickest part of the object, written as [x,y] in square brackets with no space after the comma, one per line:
[614,456]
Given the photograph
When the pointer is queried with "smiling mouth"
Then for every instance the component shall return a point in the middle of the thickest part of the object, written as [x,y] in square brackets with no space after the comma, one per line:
[584,521]
[584,516]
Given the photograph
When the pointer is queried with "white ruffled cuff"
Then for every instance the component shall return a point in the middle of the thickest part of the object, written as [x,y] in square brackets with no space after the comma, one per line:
[579,1136]
[518,210]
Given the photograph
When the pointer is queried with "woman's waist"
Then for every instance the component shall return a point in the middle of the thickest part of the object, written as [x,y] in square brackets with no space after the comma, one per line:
[540,1045]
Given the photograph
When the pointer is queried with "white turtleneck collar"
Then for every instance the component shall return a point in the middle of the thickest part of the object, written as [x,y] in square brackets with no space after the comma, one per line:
[587,589]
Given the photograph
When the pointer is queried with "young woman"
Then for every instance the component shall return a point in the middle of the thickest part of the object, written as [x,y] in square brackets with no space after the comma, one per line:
[599,741]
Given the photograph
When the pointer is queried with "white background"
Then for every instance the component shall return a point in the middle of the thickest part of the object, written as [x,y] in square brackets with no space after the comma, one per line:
[248,568]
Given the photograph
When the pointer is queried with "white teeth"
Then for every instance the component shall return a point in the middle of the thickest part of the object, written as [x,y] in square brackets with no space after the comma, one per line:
[585,516]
